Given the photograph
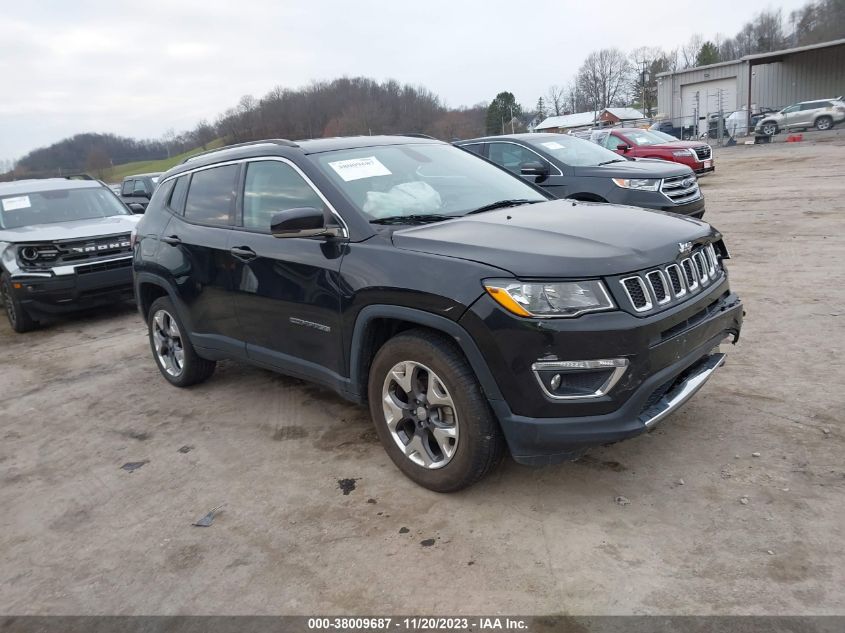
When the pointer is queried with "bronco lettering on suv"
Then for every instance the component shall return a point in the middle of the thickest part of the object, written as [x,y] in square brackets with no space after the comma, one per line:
[470,310]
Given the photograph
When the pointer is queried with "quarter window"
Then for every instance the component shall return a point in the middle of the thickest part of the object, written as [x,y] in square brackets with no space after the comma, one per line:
[211,196]
[177,197]
[272,186]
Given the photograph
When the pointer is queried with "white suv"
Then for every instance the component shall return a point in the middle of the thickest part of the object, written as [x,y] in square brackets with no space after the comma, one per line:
[821,114]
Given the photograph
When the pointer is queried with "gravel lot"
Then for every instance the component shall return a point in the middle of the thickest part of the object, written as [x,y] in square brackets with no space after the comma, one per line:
[81,398]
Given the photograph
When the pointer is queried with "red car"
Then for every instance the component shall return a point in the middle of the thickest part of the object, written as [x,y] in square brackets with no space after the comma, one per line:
[637,143]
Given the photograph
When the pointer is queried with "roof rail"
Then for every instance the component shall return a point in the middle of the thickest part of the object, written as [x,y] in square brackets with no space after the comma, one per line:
[417,135]
[275,141]
[81,176]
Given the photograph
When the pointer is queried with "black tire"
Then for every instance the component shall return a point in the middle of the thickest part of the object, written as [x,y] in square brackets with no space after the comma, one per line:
[19,318]
[769,129]
[824,123]
[479,443]
[191,369]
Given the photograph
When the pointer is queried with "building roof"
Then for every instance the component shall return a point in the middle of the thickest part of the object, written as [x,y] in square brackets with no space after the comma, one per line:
[568,120]
[625,114]
[761,58]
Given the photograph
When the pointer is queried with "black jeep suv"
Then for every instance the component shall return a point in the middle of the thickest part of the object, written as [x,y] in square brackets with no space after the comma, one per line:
[467,307]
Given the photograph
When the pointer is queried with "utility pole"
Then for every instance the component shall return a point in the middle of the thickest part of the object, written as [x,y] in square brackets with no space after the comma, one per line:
[511,109]
[642,84]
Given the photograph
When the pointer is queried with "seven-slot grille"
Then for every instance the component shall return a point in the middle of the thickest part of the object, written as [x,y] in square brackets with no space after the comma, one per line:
[703,152]
[681,189]
[673,281]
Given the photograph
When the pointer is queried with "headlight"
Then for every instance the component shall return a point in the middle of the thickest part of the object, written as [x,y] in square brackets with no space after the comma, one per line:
[683,152]
[644,184]
[552,299]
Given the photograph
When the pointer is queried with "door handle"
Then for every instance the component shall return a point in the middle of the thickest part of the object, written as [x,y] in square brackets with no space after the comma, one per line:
[173,240]
[243,253]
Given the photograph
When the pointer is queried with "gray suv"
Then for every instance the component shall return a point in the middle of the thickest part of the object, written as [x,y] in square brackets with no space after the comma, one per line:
[821,114]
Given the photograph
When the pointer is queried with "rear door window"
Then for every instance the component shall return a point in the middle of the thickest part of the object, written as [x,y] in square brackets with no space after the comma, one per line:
[211,196]
[128,186]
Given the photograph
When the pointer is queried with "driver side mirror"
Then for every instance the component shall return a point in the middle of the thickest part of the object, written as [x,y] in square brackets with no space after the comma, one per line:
[136,207]
[622,147]
[301,222]
[534,168]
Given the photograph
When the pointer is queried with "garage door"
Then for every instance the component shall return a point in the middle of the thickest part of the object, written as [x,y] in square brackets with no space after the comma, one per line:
[707,95]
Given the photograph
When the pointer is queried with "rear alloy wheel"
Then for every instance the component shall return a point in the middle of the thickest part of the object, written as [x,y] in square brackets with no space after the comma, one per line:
[18,317]
[175,357]
[430,414]
[769,129]
[824,123]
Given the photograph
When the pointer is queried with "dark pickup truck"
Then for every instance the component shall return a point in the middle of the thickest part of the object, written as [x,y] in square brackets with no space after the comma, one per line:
[136,191]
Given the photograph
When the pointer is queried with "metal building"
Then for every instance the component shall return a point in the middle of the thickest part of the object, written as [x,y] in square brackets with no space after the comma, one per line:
[774,80]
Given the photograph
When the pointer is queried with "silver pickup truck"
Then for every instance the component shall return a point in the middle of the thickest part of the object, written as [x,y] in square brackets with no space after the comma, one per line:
[64,245]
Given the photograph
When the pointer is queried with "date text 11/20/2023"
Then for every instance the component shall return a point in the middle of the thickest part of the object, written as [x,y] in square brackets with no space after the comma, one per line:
[417,623]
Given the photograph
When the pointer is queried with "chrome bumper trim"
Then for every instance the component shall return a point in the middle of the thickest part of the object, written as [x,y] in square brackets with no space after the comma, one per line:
[686,390]
[70,269]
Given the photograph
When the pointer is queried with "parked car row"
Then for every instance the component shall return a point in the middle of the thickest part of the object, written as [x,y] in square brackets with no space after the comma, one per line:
[471,309]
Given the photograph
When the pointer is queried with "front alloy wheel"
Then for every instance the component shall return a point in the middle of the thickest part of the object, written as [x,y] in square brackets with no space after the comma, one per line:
[769,129]
[420,414]
[167,341]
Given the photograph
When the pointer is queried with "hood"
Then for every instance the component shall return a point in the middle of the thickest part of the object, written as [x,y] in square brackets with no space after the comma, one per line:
[638,168]
[78,229]
[559,238]
[678,144]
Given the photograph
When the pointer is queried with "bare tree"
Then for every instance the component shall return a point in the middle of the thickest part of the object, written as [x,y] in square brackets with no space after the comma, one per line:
[689,51]
[604,77]
[555,102]
[98,161]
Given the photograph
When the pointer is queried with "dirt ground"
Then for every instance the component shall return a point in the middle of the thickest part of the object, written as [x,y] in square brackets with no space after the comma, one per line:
[81,398]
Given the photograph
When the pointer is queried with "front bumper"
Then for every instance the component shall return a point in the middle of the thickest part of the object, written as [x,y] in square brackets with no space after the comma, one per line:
[701,170]
[657,201]
[89,285]
[664,371]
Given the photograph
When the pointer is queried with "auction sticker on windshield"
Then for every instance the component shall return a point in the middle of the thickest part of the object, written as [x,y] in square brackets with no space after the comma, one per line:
[357,168]
[13,204]
[552,145]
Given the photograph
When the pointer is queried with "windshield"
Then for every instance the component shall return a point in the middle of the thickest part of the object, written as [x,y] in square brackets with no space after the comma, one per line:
[577,152]
[61,205]
[417,180]
[643,138]
[666,137]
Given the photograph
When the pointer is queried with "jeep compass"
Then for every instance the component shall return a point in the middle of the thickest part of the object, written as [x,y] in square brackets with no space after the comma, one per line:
[470,310]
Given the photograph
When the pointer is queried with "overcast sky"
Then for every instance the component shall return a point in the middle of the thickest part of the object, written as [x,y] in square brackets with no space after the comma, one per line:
[140,68]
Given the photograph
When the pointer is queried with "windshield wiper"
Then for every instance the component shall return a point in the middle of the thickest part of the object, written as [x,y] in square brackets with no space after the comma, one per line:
[615,160]
[501,204]
[413,219]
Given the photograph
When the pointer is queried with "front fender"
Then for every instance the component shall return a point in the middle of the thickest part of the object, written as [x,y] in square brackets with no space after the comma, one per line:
[426,319]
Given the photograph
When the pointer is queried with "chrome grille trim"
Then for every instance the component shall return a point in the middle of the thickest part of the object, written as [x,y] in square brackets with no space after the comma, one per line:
[658,274]
[701,267]
[648,304]
[690,278]
[679,193]
[674,268]
[679,280]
